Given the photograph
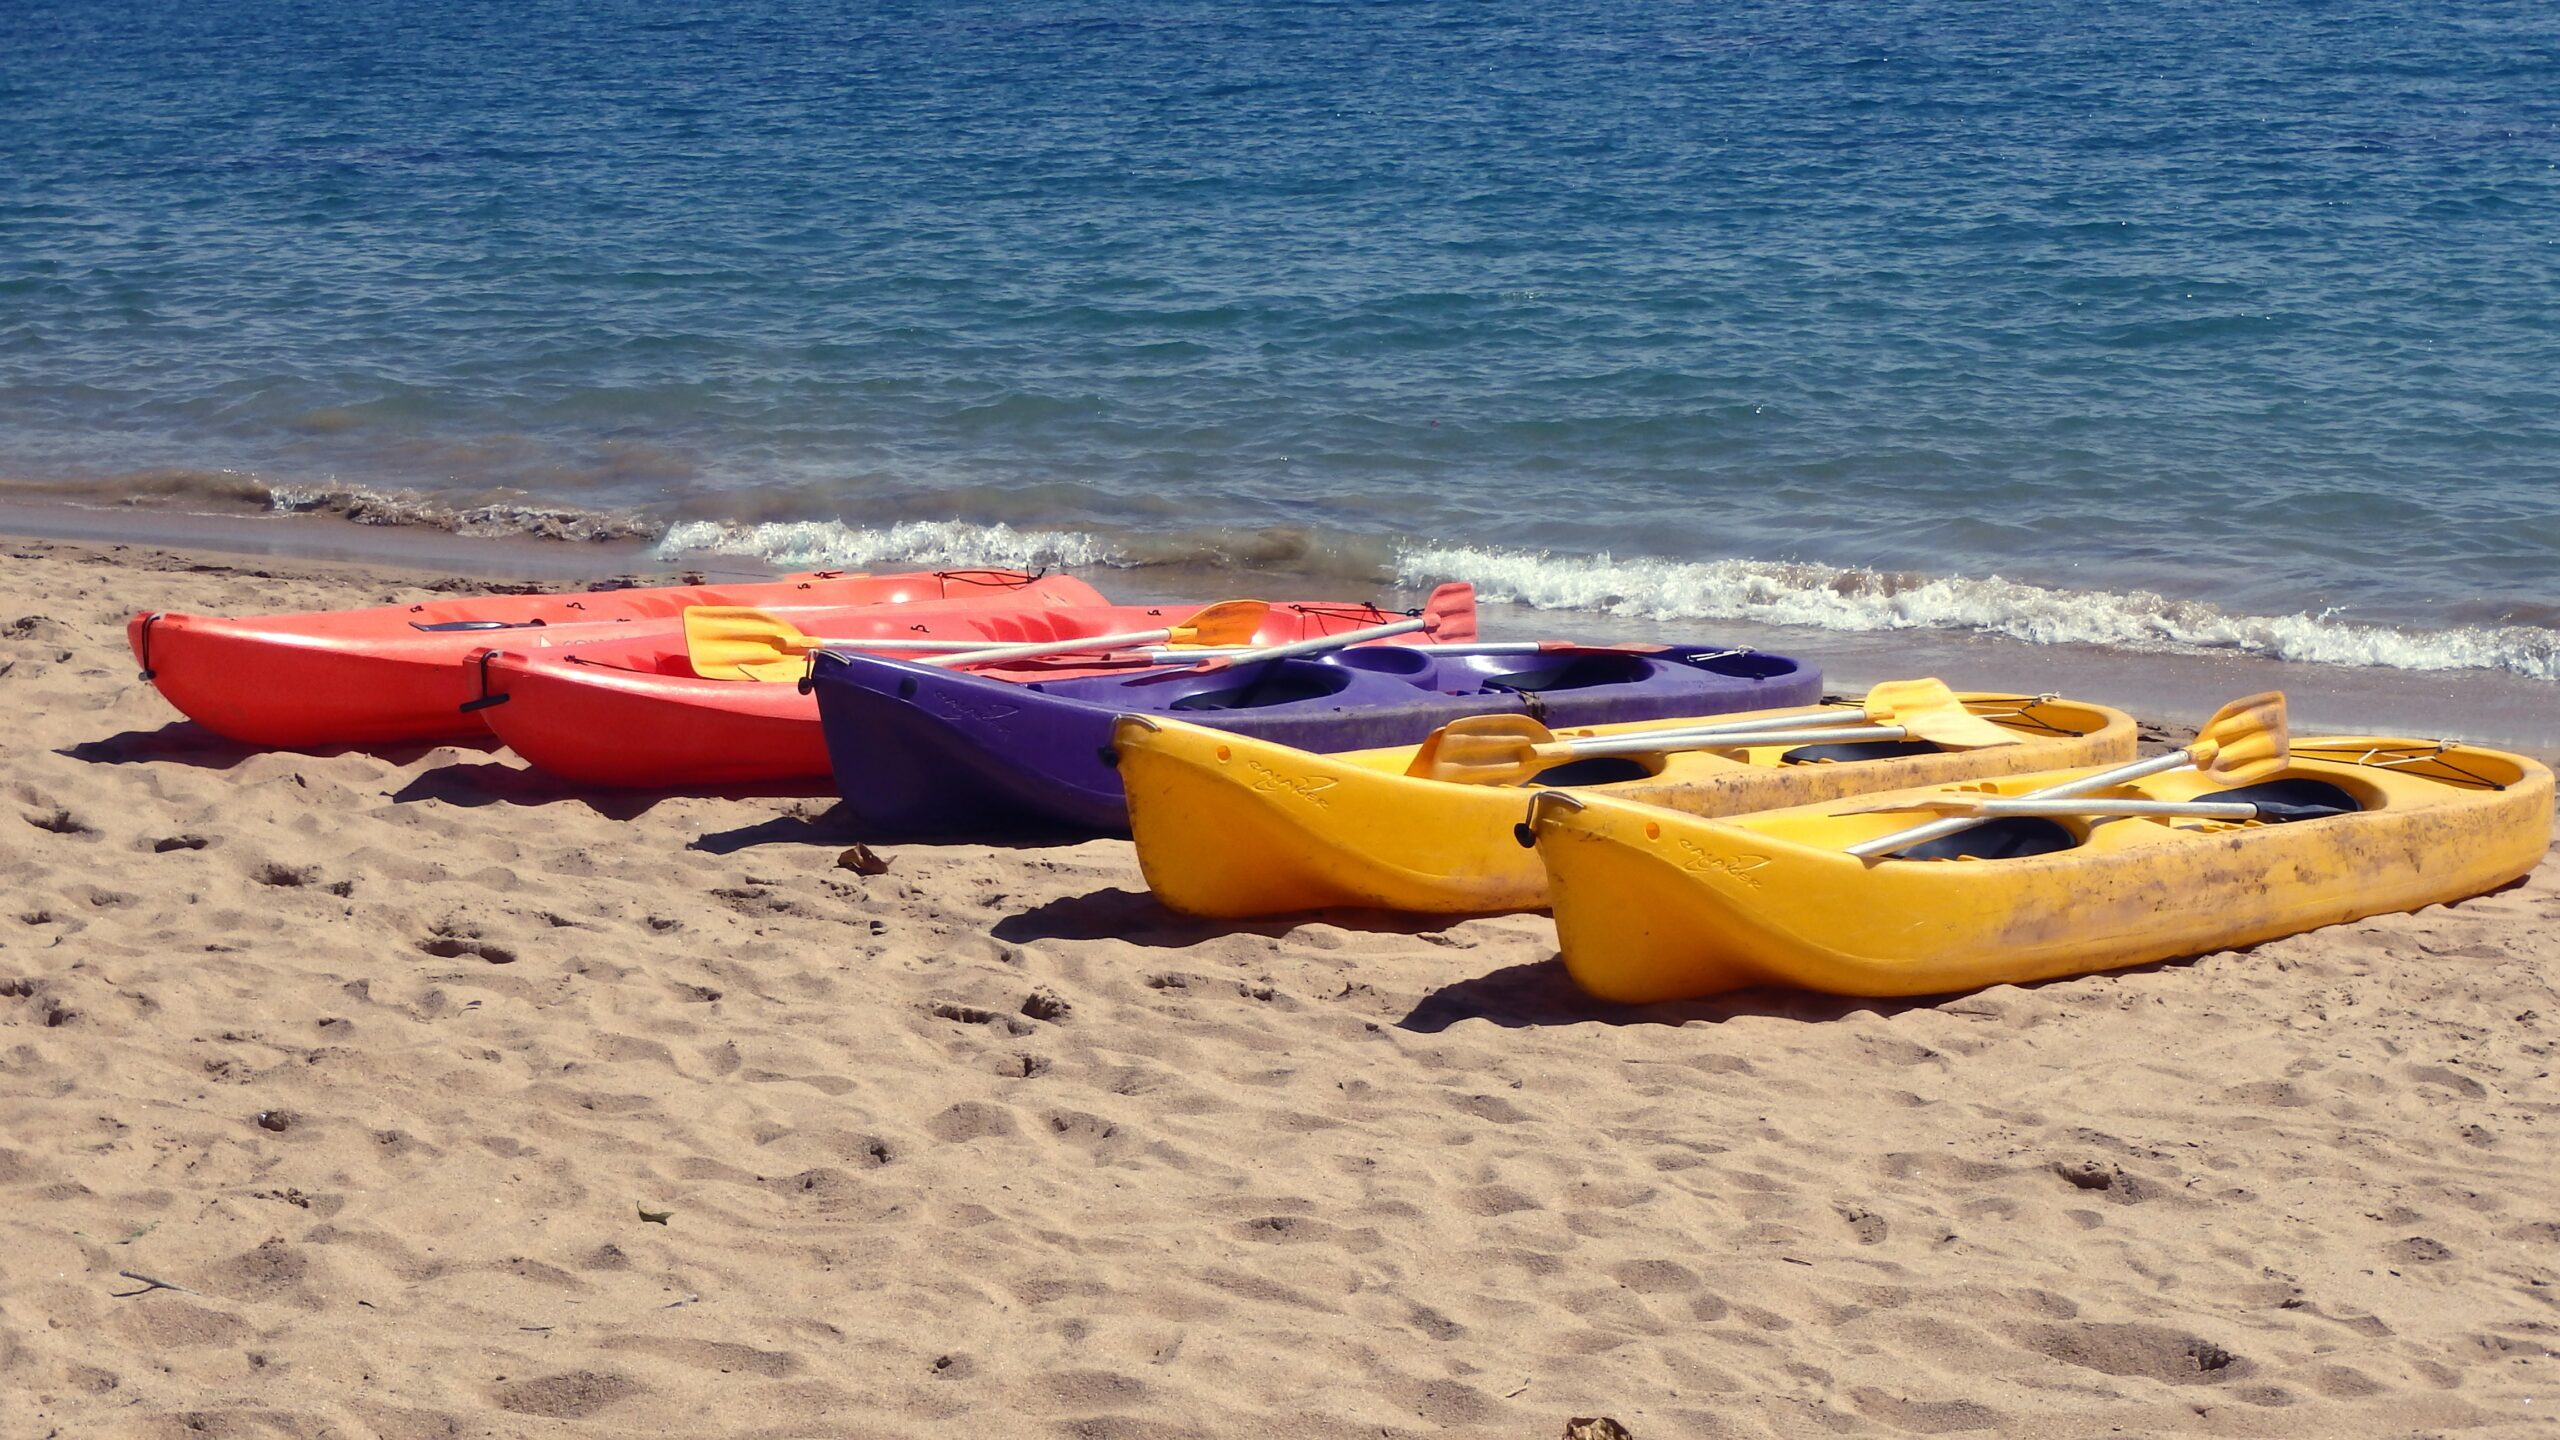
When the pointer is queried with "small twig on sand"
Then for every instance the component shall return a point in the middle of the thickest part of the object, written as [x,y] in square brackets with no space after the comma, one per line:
[148,1285]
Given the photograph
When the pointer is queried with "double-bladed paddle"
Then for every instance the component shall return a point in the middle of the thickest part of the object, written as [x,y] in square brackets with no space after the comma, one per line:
[2245,741]
[1507,749]
[1449,615]
[736,642]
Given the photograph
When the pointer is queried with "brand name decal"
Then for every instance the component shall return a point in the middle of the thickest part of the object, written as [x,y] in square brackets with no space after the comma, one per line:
[1310,788]
[985,712]
[1700,862]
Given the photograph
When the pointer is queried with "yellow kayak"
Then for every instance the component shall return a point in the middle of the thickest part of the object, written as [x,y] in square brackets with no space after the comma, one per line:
[1653,905]
[1233,827]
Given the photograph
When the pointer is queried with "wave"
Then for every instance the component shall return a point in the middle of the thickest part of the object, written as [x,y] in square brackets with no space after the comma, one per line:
[492,520]
[829,544]
[1832,598]
[242,492]
[806,544]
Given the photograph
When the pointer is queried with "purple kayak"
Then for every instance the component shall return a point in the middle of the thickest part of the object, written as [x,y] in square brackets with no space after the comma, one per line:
[921,750]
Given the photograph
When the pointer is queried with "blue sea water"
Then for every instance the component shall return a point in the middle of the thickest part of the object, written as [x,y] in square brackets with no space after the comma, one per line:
[2222,326]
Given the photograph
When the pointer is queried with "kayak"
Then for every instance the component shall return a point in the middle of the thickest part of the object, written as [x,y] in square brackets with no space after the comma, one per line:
[632,713]
[1653,905]
[1233,827]
[919,751]
[391,673]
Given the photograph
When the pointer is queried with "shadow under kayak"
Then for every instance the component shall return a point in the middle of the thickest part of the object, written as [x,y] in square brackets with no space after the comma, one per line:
[919,750]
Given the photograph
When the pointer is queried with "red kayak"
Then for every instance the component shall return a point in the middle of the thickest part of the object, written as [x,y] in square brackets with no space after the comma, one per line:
[392,673]
[632,712]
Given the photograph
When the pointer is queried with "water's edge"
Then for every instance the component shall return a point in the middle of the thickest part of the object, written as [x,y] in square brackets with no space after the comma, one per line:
[2170,663]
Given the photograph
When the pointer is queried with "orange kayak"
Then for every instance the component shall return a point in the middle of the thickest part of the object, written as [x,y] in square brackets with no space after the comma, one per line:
[631,712]
[392,673]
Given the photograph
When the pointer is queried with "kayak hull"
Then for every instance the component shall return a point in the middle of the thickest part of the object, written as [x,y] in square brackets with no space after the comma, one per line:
[391,674]
[1046,751]
[632,713]
[1232,828]
[1652,905]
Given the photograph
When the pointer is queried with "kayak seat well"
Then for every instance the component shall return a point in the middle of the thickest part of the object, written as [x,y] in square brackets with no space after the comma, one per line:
[2011,837]
[1597,770]
[1397,660]
[2284,801]
[2014,837]
[1856,750]
[1747,665]
[1282,685]
[1573,672]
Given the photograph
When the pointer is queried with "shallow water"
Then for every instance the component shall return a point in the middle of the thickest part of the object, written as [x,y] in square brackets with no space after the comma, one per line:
[2207,330]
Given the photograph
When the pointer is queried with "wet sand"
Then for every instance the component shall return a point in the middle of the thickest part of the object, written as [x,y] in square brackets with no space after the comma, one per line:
[411,1094]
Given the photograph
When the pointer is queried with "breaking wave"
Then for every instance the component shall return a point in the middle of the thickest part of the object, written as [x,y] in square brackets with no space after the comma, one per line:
[814,544]
[807,544]
[241,492]
[1832,598]
[491,520]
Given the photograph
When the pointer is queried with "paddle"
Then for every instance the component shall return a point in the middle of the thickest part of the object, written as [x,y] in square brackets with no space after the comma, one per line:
[1229,622]
[2243,742]
[737,642]
[1506,749]
[1450,614]
[1994,806]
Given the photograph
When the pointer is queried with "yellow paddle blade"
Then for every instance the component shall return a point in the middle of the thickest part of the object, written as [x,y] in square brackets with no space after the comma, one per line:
[1229,622]
[1929,711]
[737,642]
[1482,750]
[1949,724]
[1894,697]
[2246,741]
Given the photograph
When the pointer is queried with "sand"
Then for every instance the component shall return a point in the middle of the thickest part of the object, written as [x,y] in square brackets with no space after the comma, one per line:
[418,1096]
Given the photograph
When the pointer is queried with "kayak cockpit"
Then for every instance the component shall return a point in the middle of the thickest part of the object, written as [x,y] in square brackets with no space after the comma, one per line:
[1269,685]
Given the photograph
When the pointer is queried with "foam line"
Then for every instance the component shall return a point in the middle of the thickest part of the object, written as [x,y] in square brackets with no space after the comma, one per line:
[1832,598]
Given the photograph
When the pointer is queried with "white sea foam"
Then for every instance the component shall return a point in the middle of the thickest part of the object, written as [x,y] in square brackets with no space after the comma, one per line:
[1771,592]
[1831,598]
[360,506]
[810,544]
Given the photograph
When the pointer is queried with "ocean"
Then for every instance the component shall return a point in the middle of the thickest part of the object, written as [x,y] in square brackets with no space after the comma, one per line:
[2155,329]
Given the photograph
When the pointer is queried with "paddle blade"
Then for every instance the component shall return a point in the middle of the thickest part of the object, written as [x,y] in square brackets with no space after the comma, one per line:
[736,642]
[1949,724]
[1452,611]
[1229,622]
[2246,741]
[1482,750]
[1896,697]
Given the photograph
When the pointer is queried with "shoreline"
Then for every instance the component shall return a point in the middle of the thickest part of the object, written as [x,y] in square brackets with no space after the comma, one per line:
[2492,708]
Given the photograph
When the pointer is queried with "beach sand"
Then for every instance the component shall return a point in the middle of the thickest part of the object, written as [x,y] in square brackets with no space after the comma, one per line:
[381,1064]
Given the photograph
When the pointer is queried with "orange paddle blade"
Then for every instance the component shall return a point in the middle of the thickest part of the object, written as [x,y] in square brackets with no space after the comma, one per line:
[1452,611]
[738,642]
[1229,622]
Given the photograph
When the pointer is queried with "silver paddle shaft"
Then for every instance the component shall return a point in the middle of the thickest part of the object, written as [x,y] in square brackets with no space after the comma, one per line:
[1051,647]
[1806,720]
[1710,739]
[2201,809]
[2104,779]
[1322,643]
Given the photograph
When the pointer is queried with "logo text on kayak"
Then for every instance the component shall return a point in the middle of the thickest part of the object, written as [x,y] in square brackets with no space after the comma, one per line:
[1309,788]
[1702,862]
